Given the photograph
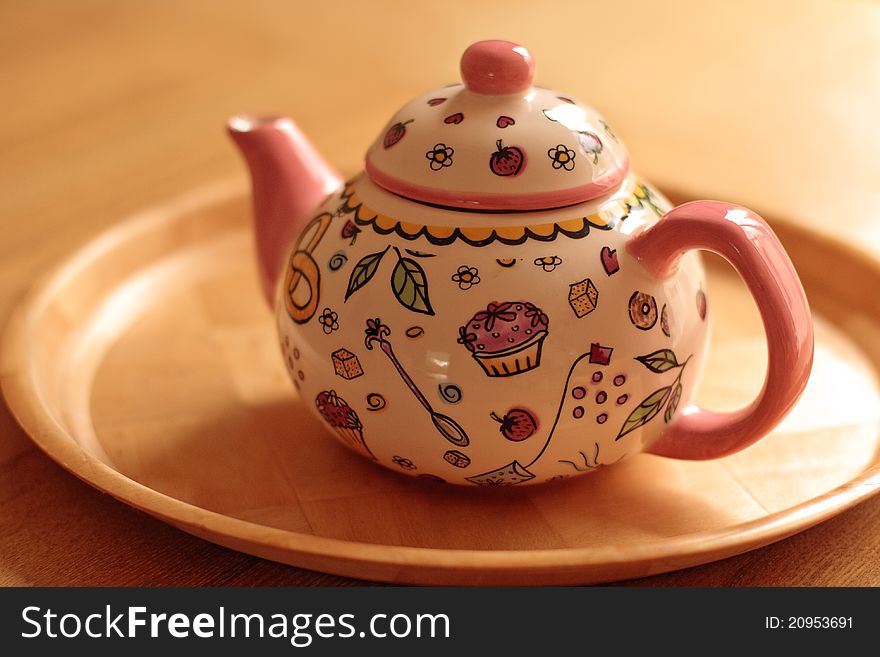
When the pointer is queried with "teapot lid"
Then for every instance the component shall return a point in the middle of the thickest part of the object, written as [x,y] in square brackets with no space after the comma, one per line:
[496,142]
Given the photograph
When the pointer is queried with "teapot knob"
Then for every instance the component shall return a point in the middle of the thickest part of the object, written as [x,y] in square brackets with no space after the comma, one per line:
[497,67]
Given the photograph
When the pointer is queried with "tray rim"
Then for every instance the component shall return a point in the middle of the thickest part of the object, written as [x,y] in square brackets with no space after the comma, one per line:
[402,564]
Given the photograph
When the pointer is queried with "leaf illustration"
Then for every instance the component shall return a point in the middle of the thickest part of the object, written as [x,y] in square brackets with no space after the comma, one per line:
[659,361]
[672,406]
[420,254]
[363,271]
[645,411]
[410,286]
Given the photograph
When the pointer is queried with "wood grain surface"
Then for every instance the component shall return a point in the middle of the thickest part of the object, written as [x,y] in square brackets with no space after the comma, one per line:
[113,107]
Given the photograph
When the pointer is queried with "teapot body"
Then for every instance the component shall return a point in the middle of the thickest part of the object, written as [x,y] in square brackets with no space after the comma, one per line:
[489,348]
[496,299]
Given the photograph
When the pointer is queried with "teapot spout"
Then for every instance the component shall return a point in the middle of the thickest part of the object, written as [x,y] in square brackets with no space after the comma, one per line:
[289,179]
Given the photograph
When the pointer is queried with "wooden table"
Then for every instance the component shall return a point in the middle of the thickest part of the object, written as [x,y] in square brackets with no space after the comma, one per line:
[111,107]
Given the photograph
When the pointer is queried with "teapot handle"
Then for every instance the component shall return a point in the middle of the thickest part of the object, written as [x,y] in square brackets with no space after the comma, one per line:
[746,242]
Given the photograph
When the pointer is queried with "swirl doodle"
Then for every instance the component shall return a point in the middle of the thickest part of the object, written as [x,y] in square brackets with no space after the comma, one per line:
[450,393]
[375,402]
[337,261]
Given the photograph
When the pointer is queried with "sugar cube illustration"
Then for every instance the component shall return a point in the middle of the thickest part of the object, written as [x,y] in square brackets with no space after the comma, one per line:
[346,364]
[583,297]
[456,458]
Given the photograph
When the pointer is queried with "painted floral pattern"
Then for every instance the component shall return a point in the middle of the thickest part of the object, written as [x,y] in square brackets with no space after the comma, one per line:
[548,263]
[440,156]
[329,321]
[535,316]
[562,157]
[466,277]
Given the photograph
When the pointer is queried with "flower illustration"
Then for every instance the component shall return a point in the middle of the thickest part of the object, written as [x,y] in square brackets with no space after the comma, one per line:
[535,315]
[494,312]
[404,463]
[329,321]
[548,263]
[440,156]
[466,338]
[466,277]
[563,158]
[590,144]
[376,331]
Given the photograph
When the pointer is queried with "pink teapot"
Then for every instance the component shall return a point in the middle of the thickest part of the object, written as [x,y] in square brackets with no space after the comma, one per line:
[497,298]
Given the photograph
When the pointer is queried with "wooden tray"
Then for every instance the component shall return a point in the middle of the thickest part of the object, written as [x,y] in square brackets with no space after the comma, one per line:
[147,366]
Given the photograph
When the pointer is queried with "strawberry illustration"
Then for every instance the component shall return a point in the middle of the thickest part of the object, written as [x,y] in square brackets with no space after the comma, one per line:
[350,231]
[518,424]
[590,144]
[395,134]
[507,160]
[701,303]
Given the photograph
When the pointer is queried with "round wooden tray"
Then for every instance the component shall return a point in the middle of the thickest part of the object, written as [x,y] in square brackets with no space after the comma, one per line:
[147,366]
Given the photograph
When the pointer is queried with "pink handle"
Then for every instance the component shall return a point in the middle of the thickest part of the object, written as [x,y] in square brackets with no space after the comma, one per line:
[747,242]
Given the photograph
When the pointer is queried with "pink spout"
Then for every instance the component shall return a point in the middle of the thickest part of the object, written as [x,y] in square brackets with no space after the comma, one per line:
[289,179]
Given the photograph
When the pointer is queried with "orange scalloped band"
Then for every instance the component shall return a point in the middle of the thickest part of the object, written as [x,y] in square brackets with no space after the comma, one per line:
[575,228]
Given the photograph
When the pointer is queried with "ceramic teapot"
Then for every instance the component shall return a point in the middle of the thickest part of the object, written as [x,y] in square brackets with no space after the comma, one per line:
[497,298]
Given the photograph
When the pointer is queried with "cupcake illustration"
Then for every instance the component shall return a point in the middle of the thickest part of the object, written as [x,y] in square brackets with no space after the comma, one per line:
[506,338]
[344,421]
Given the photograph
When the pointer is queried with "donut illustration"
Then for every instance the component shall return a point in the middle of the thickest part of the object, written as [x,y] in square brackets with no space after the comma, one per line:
[642,310]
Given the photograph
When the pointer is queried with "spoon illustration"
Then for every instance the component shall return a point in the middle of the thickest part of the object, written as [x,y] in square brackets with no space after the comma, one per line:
[451,430]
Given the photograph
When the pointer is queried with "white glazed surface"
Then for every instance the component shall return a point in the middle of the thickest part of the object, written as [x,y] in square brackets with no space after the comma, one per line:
[401,434]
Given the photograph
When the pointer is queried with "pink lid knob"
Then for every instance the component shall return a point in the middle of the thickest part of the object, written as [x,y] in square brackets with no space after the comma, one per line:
[497,67]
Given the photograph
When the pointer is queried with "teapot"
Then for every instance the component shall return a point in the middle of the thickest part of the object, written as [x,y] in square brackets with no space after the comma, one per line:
[498,299]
